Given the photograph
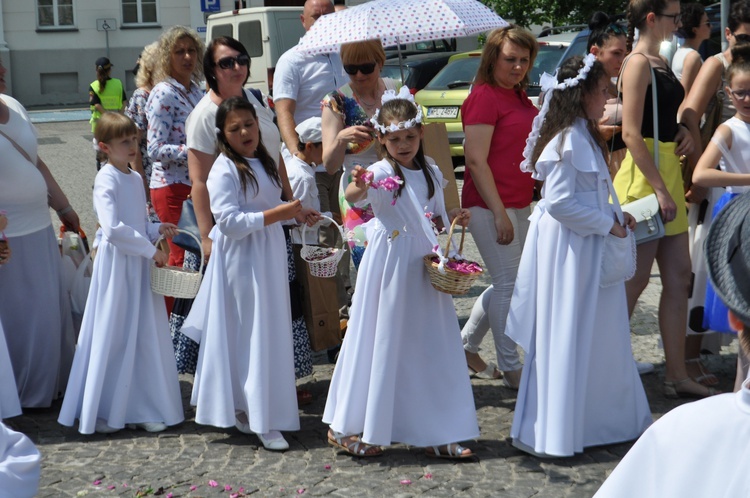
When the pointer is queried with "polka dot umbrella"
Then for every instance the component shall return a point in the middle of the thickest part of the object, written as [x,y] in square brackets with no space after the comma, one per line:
[399,21]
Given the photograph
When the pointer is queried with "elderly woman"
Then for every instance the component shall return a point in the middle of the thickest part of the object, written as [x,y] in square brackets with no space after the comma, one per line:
[497,118]
[136,110]
[30,310]
[226,66]
[348,137]
[178,69]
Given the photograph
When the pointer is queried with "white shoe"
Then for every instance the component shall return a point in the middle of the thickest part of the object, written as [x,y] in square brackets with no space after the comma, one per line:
[274,441]
[102,428]
[243,427]
[644,368]
[150,426]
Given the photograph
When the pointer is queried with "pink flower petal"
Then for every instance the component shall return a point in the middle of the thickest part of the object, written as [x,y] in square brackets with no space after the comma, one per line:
[328,467]
[213,483]
[169,495]
[97,482]
[241,490]
[227,488]
[111,486]
[301,491]
[405,482]
[234,495]
[193,487]
[428,476]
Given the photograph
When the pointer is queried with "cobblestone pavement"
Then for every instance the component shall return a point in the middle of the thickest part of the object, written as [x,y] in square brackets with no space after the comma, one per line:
[190,455]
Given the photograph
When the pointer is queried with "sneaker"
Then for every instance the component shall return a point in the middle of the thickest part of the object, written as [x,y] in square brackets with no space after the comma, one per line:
[150,426]
[102,428]
[644,368]
[274,441]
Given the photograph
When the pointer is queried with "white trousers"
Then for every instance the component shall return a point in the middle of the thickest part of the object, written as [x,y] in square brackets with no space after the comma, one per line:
[490,310]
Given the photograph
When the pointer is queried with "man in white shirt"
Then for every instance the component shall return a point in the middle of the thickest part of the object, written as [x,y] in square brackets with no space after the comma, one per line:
[299,84]
[702,448]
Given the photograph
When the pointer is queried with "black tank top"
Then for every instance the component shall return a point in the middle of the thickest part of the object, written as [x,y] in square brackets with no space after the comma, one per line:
[669,95]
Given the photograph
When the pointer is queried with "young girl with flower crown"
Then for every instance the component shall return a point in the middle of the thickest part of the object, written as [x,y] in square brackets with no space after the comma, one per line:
[241,316]
[579,385]
[401,373]
[124,369]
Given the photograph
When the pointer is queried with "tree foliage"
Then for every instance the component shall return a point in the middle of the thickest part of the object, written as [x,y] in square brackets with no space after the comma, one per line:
[553,12]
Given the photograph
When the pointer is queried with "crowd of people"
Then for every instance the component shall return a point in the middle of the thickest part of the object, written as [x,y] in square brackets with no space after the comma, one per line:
[615,126]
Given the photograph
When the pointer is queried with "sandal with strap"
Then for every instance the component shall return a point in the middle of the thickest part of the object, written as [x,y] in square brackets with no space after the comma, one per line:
[705,377]
[490,372]
[453,451]
[353,445]
[672,390]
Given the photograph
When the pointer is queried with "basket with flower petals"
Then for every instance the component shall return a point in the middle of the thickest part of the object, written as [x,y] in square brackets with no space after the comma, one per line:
[456,275]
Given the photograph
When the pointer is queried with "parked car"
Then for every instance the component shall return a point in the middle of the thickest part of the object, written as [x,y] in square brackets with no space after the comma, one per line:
[551,50]
[418,69]
[442,98]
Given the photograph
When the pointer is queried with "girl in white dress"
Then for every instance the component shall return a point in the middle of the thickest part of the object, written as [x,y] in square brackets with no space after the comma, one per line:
[124,369]
[579,385]
[241,316]
[401,373]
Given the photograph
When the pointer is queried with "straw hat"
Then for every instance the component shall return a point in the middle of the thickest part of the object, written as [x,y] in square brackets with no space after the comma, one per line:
[728,255]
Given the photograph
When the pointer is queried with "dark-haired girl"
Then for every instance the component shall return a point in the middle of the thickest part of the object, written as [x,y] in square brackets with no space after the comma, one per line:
[579,385]
[241,315]
[695,29]
[401,376]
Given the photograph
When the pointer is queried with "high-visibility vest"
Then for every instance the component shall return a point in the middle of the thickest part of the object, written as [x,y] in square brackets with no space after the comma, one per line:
[110,97]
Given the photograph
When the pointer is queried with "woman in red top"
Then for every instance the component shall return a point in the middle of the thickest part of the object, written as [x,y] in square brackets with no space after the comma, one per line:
[497,118]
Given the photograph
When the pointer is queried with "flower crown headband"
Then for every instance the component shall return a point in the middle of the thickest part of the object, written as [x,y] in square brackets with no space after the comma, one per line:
[549,84]
[404,94]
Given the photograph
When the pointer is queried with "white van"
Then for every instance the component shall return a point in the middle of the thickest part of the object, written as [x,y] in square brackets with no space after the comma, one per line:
[266,33]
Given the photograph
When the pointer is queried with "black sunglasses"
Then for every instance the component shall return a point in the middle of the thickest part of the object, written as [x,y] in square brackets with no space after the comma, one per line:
[362,68]
[229,62]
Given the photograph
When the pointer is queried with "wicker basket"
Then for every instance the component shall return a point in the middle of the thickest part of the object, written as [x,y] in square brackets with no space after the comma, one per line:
[451,282]
[176,282]
[323,261]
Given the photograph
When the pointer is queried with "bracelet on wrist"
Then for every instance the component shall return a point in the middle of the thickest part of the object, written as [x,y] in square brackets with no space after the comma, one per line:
[65,210]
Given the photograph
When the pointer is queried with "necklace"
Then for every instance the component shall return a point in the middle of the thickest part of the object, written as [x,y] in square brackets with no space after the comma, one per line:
[364,102]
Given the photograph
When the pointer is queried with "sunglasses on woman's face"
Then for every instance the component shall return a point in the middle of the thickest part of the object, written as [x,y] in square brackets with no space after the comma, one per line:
[229,62]
[352,69]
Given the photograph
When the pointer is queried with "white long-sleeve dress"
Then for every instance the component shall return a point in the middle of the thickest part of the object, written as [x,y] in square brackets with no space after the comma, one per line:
[124,368]
[401,373]
[10,406]
[579,385]
[241,314]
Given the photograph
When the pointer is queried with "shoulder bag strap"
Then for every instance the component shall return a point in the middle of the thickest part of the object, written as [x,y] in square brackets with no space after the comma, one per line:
[654,103]
[18,148]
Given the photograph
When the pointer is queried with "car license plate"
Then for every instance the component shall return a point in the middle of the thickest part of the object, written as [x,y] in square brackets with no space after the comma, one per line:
[442,112]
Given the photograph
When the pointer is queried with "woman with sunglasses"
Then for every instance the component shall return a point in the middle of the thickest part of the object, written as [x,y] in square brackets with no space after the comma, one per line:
[348,136]
[639,177]
[705,108]
[226,66]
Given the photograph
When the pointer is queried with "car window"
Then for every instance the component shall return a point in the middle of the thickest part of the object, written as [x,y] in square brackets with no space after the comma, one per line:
[546,61]
[458,74]
[394,72]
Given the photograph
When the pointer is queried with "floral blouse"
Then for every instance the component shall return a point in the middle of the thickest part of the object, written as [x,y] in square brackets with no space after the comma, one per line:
[343,103]
[167,110]
[136,110]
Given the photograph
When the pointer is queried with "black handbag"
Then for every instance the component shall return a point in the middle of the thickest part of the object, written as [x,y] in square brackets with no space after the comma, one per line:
[189,223]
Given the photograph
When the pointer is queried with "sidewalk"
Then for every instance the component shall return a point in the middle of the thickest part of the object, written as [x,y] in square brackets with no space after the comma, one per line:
[192,455]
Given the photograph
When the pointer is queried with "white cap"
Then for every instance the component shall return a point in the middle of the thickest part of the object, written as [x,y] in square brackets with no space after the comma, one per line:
[309,131]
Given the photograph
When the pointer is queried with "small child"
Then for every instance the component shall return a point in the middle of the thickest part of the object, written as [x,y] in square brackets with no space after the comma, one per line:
[401,373]
[124,368]
[241,316]
[579,385]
